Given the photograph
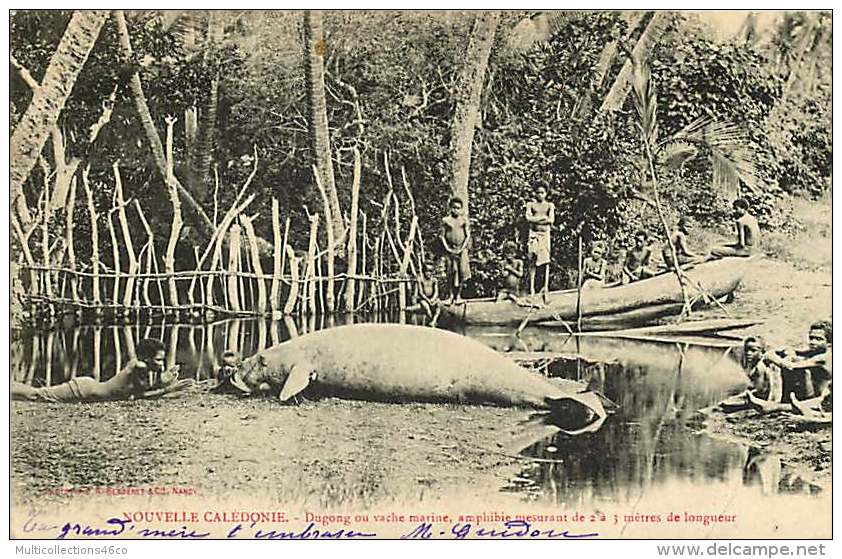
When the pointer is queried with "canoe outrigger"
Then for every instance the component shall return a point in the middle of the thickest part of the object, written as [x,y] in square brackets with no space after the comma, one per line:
[622,306]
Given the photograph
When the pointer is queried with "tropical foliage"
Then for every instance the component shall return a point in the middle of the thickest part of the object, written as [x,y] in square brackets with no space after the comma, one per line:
[748,113]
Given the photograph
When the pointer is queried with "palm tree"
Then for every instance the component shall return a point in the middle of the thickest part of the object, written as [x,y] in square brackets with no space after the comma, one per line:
[31,133]
[201,150]
[314,54]
[151,133]
[468,98]
[725,142]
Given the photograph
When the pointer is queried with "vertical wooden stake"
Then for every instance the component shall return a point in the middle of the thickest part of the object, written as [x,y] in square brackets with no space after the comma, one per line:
[115,253]
[94,235]
[311,264]
[363,245]
[278,249]
[331,293]
[177,222]
[579,287]
[45,238]
[352,233]
[150,248]
[407,258]
[293,288]
[68,232]
[127,237]
[233,267]
[255,260]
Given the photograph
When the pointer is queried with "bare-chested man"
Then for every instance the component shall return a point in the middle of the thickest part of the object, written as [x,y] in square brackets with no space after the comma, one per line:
[748,233]
[142,377]
[540,214]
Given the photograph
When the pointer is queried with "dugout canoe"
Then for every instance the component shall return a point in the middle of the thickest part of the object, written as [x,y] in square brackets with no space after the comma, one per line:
[623,306]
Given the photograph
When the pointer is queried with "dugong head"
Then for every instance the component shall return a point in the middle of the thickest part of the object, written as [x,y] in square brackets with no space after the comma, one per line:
[269,374]
[254,376]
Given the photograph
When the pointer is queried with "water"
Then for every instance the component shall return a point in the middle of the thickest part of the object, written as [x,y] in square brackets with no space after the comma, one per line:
[647,454]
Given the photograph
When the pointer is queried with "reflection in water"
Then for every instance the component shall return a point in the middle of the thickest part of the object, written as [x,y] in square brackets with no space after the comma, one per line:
[644,447]
[49,358]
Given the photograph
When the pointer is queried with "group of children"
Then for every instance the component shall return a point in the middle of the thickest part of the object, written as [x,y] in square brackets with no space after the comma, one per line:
[799,381]
[639,263]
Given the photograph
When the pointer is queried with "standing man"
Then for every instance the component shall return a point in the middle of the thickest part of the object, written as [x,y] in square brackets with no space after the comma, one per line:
[748,233]
[540,214]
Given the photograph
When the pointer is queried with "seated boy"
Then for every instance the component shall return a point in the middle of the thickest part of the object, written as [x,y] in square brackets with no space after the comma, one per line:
[593,267]
[427,287]
[224,376]
[142,377]
[748,233]
[512,274]
[806,373]
[638,263]
[764,380]
[455,237]
[682,247]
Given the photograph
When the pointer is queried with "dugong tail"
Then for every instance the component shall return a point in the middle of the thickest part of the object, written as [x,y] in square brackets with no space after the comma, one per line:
[576,414]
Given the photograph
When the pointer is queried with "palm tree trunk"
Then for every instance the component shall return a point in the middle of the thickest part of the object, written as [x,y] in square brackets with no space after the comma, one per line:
[609,52]
[620,88]
[468,99]
[314,53]
[41,116]
[204,145]
[151,132]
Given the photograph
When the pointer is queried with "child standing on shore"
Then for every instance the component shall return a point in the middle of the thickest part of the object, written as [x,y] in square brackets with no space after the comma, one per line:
[455,236]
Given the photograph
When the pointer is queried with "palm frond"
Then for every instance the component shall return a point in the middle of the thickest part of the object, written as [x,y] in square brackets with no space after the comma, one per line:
[673,155]
[645,100]
[731,159]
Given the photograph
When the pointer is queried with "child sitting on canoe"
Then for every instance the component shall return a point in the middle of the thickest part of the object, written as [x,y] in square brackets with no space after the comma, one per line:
[638,262]
[427,290]
[764,379]
[455,238]
[806,373]
[512,274]
[142,377]
[679,238]
[748,233]
[593,267]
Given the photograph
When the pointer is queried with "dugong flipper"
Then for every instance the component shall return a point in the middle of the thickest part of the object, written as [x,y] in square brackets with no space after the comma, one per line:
[402,363]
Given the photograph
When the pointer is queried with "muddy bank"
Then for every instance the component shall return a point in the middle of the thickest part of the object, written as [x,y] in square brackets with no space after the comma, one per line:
[324,453]
[789,288]
[806,449]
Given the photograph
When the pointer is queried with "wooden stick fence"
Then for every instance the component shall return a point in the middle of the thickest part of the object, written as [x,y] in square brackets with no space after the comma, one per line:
[233,274]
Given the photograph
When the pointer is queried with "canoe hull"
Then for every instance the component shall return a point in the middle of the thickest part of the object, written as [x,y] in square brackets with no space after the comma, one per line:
[619,307]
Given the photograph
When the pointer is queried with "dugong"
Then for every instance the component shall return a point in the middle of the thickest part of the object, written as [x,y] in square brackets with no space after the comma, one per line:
[404,363]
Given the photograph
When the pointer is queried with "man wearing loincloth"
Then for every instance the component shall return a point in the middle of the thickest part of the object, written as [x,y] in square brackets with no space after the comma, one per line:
[540,214]
[143,376]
